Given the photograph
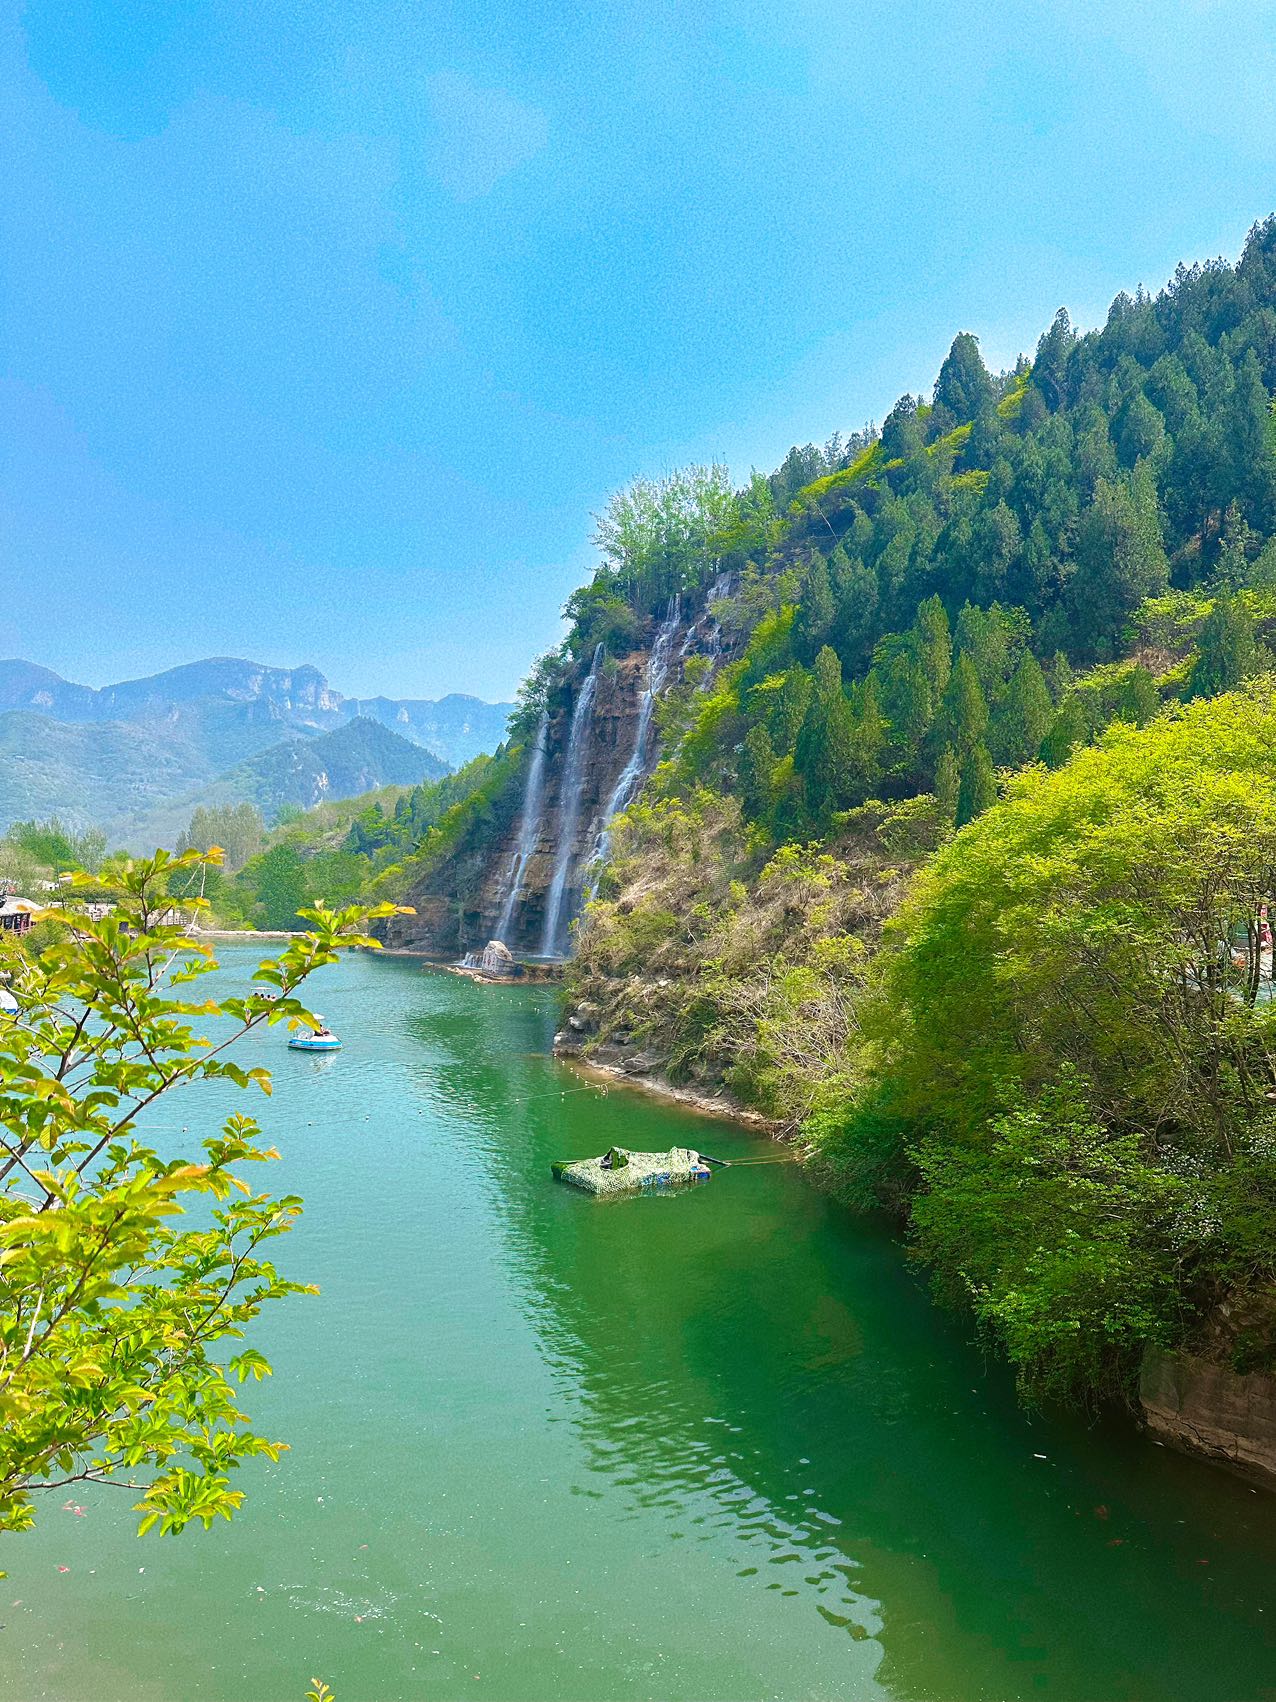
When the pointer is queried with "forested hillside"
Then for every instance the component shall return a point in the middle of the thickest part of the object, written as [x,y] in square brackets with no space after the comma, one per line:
[1068,1099]
[1004,570]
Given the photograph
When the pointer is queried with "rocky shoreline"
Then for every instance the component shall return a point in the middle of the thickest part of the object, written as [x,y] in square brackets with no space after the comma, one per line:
[721,1106]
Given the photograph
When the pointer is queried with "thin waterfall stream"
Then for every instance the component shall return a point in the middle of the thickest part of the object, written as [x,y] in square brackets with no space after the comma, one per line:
[553,940]
[529,830]
[631,775]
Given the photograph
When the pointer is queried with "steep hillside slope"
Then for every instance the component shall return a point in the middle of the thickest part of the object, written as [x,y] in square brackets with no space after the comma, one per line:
[1005,654]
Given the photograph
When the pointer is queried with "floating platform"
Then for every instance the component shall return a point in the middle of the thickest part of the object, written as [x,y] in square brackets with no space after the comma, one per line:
[623,1172]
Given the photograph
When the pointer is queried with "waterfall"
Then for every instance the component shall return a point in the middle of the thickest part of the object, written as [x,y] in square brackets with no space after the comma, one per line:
[569,813]
[705,634]
[631,775]
[529,828]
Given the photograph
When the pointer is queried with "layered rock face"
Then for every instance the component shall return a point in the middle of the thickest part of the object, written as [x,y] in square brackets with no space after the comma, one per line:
[1207,1408]
[521,877]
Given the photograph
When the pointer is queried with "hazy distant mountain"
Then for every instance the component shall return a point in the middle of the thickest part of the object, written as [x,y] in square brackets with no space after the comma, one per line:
[455,727]
[90,776]
[301,771]
[131,757]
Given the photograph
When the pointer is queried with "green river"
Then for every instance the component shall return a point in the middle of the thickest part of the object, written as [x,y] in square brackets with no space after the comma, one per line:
[711,1445]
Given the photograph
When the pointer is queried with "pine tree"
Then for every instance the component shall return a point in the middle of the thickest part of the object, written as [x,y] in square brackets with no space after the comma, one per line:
[906,700]
[817,608]
[1138,700]
[856,594]
[1061,677]
[948,783]
[901,433]
[1054,351]
[792,701]
[1068,730]
[1025,716]
[978,789]
[868,740]
[1120,557]
[963,719]
[1140,430]
[935,645]
[1232,568]
[757,771]
[963,385]
[1227,649]
[823,745]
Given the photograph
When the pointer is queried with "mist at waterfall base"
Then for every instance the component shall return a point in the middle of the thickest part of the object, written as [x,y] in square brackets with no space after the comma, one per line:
[700,1446]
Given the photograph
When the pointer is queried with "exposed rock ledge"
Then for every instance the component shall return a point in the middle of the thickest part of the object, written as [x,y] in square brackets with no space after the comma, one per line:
[1206,1408]
[641,1073]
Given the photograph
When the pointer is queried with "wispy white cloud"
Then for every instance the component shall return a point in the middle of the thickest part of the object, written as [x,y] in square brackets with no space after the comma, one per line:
[480,135]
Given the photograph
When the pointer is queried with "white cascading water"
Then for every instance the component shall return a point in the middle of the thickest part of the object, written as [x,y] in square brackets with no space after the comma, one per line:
[631,775]
[705,635]
[554,936]
[529,828]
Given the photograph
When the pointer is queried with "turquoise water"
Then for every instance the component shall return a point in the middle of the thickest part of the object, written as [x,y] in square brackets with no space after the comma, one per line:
[706,1446]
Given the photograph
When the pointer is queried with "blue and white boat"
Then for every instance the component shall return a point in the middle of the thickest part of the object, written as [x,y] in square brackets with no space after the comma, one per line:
[320,1039]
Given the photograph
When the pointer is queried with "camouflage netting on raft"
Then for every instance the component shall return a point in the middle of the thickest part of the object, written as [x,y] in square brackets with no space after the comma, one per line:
[622,1172]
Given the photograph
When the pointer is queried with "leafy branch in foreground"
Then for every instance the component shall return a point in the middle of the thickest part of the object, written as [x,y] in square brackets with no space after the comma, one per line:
[110,1308]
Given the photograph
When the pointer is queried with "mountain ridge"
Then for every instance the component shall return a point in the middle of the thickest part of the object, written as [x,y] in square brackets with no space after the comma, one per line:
[455,727]
[131,756]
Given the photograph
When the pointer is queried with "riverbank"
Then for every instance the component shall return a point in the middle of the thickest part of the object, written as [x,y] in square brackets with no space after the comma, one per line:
[719,1106]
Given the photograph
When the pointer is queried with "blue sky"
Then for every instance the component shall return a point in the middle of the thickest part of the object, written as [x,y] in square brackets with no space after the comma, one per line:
[326,325]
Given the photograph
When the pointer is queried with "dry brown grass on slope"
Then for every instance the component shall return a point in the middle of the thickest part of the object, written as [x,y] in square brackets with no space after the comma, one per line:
[701,966]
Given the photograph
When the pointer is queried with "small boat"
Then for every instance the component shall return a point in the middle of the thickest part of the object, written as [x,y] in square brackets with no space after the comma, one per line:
[321,1039]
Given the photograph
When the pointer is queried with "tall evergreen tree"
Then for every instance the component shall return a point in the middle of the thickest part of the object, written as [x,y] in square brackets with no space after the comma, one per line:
[855,591]
[1025,715]
[1067,731]
[789,712]
[963,385]
[868,740]
[1231,571]
[1049,370]
[978,790]
[822,755]
[935,648]
[1227,649]
[757,770]
[1138,700]
[1120,558]
[816,610]
[948,783]
[963,718]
